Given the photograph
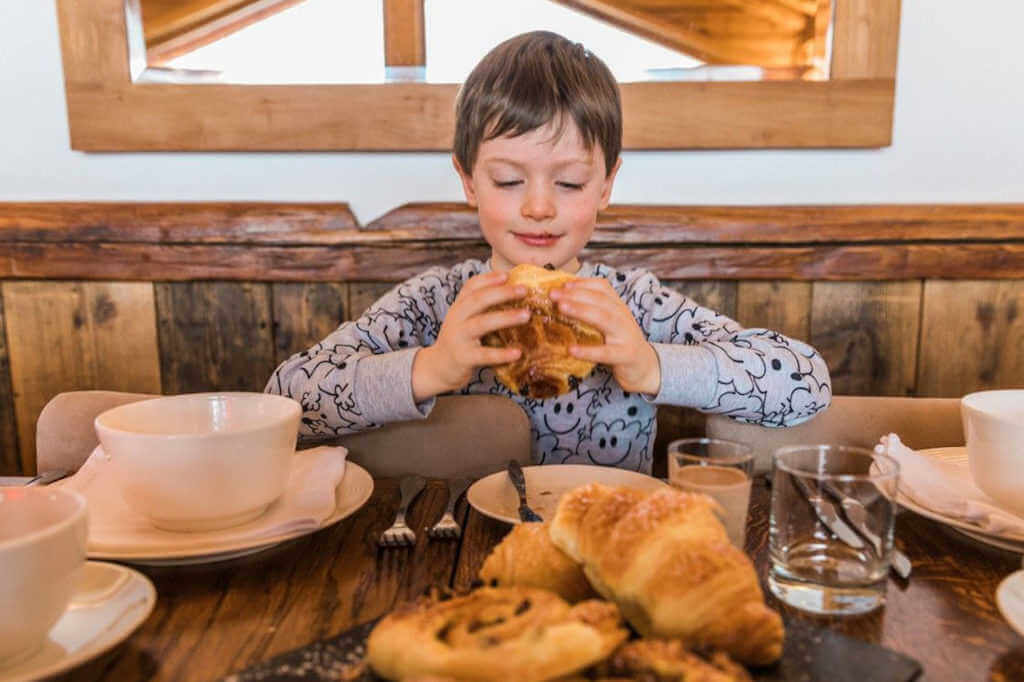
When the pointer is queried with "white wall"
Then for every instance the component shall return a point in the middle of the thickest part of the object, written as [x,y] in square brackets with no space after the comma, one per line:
[958,137]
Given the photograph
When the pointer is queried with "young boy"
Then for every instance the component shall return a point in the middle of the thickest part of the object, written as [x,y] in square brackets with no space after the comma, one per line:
[537,140]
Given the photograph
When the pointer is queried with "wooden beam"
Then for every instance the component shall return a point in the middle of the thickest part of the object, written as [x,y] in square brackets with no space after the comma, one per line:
[404,33]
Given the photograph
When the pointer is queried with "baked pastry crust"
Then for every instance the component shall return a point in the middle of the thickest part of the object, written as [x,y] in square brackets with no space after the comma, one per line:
[545,366]
[499,633]
[527,557]
[666,560]
[669,659]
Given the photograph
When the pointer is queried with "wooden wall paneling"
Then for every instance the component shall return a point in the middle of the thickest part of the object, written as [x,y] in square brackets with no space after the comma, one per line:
[972,337]
[404,33]
[77,335]
[719,295]
[215,336]
[304,314]
[865,39]
[361,295]
[9,462]
[868,334]
[782,306]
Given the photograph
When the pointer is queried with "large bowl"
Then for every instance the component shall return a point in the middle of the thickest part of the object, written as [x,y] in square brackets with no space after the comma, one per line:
[994,427]
[202,461]
[42,545]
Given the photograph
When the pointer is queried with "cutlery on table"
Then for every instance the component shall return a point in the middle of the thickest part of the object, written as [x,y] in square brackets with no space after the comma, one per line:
[857,515]
[515,473]
[827,514]
[448,528]
[39,479]
[400,534]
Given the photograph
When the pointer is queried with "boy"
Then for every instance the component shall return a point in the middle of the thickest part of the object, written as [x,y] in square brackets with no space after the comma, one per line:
[537,140]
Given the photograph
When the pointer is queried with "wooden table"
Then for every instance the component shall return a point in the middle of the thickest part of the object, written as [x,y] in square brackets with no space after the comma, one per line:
[214,619]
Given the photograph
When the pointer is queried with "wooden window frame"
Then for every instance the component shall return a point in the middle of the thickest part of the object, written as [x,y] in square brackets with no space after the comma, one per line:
[108,110]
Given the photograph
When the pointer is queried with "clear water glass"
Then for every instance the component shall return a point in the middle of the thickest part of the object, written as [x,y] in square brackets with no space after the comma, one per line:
[825,500]
[721,469]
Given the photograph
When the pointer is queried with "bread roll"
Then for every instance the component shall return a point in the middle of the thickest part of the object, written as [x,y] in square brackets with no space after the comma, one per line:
[666,560]
[544,368]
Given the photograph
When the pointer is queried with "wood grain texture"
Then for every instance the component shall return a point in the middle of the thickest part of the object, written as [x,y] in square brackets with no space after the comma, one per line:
[981,325]
[304,314]
[10,464]
[418,116]
[868,333]
[865,39]
[404,33]
[782,306]
[719,296]
[321,585]
[214,336]
[66,336]
[361,295]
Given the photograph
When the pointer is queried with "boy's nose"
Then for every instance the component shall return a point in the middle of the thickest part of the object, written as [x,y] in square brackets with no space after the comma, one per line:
[538,206]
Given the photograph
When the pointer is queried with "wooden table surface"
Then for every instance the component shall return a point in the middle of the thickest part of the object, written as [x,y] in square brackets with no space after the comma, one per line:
[215,619]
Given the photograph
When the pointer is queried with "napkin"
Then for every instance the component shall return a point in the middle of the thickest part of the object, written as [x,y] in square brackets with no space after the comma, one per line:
[948,490]
[308,500]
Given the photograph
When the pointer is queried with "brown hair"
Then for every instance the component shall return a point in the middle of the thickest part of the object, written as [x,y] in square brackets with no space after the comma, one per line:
[530,80]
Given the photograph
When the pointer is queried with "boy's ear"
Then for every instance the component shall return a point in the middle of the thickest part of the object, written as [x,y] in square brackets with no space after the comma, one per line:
[467,182]
[606,190]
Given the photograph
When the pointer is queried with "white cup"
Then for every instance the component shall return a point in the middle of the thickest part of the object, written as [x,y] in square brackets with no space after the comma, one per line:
[994,427]
[43,533]
[201,461]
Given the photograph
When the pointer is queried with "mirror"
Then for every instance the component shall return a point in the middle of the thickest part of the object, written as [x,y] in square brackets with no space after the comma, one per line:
[119,101]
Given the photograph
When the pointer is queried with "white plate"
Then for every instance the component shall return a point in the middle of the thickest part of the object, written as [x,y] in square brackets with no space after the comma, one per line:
[108,604]
[495,496]
[1008,545]
[955,462]
[1010,600]
[352,493]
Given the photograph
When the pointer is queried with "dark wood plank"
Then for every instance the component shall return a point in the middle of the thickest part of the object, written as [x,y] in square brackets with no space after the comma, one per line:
[972,337]
[109,261]
[782,306]
[868,334]
[10,464]
[175,223]
[719,296]
[361,295]
[480,534]
[214,336]
[304,314]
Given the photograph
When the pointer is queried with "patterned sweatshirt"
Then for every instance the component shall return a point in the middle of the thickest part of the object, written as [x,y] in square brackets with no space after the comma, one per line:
[360,376]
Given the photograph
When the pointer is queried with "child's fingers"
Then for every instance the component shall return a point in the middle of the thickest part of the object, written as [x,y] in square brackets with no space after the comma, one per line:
[485,323]
[604,317]
[602,355]
[485,357]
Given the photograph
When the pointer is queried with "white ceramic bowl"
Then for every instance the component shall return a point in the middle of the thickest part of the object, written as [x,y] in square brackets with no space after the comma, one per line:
[994,427]
[201,461]
[42,545]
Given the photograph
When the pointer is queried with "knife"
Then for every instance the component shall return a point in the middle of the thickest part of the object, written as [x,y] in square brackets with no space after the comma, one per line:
[856,514]
[515,473]
[827,514]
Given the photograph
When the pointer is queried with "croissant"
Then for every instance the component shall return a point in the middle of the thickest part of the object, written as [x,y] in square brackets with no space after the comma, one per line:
[545,366]
[494,633]
[527,557]
[666,560]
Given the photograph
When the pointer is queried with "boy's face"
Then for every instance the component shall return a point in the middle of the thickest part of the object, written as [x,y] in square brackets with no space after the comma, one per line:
[538,195]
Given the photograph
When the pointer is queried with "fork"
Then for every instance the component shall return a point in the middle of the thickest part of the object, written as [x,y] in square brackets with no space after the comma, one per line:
[400,534]
[447,528]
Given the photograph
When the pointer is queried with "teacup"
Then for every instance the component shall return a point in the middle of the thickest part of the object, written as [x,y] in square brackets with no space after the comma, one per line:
[994,427]
[201,461]
[43,533]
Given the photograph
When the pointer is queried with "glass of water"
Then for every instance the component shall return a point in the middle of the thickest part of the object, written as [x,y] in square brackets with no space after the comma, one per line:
[831,527]
[721,469]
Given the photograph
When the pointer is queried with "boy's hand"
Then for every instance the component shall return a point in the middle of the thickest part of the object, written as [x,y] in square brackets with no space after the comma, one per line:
[452,360]
[626,351]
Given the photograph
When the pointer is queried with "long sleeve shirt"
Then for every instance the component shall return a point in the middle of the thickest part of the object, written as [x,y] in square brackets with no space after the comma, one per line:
[360,376]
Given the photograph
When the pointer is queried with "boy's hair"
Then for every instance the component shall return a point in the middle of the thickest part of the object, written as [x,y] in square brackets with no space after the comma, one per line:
[531,80]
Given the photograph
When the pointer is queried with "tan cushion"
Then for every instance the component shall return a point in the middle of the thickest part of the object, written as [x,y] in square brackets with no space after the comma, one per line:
[854,420]
[464,435]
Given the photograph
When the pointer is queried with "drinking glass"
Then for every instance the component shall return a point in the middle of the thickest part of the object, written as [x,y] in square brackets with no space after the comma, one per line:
[721,469]
[831,527]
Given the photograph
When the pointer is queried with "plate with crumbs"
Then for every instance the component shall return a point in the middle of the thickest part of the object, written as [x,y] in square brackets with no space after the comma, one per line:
[495,496]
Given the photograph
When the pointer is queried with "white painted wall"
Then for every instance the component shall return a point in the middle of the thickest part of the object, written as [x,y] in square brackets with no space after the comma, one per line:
[959,137]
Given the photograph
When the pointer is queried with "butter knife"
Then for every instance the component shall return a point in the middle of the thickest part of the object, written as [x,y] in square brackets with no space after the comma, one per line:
[827,514]
[857,515]
[515,474]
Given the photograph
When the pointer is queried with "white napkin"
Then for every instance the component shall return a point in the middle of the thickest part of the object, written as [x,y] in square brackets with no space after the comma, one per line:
[308,500]
[945,489]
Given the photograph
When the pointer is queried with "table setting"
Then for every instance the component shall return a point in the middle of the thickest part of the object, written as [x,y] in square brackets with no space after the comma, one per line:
[333,551]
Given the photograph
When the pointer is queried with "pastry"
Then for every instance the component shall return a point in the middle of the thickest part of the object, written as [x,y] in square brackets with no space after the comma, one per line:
[669,659]
[494,633]
[545,366]
[527,557]
[666,560]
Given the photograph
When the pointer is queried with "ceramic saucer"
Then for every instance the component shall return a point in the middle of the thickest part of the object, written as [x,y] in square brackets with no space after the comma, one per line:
[1010,600]
[495,496]
[108,604]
